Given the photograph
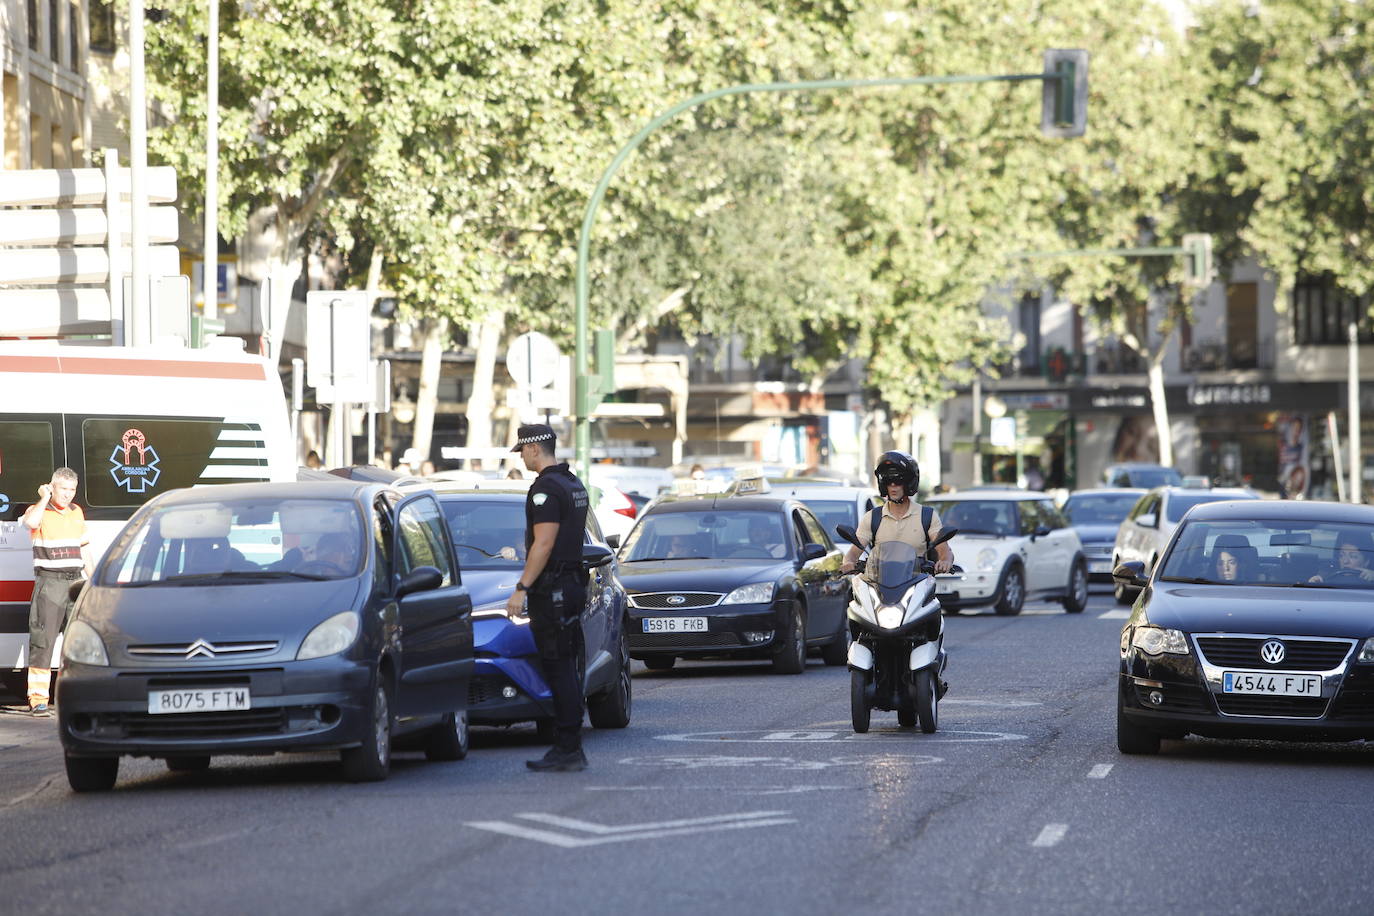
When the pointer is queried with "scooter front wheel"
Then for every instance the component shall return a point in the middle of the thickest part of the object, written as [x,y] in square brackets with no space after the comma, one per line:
[927,699]
[858,700]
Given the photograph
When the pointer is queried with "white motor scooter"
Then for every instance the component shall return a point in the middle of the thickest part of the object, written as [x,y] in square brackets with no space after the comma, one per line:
[897,656]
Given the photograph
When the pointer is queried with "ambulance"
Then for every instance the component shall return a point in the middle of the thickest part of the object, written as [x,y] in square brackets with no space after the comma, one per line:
[131,424]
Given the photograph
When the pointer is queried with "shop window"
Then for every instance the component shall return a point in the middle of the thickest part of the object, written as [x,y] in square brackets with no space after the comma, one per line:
[102,19]
[1322,312]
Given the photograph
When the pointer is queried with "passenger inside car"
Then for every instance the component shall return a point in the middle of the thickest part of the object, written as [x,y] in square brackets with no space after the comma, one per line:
[1234,560]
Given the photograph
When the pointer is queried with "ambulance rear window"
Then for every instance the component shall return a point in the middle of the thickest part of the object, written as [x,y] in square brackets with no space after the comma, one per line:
[130,459]
[26,462]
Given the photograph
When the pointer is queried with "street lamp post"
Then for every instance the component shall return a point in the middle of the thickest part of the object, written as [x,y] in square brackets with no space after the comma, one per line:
[1065,115]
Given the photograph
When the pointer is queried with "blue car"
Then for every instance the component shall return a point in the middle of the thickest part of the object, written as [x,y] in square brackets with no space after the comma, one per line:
[507,686]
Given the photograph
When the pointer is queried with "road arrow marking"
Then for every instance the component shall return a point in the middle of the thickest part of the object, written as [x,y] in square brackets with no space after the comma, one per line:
[1100,771]
[601,834]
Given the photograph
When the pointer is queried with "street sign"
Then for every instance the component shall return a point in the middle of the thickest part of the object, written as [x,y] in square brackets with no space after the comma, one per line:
[1002,432]
[1064,109]
[532,360]
[338,343]
[381,393]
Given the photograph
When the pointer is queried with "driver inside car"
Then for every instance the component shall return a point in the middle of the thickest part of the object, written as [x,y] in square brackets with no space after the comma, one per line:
[763,534]
[1352,561]
[336,550]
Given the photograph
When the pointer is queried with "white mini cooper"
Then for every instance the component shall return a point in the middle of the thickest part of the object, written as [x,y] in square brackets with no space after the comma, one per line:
[1013,545]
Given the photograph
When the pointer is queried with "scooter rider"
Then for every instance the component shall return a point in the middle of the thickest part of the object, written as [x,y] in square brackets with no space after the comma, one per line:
[901,518]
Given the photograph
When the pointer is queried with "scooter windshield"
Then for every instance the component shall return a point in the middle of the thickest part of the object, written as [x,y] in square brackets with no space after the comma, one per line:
[893,566]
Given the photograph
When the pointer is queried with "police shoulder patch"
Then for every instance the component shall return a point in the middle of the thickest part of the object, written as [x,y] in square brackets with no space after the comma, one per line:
[540,498]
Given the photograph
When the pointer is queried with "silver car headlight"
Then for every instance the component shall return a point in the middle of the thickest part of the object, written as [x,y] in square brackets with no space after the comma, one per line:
[1160,641]
[986,560]
[331,637]
[758,593]
[1366,655]
[82,644]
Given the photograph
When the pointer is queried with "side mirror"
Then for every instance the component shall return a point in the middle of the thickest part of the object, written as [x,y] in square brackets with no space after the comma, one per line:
[847,532]
[74,590]
[594,555]
[1040,531]
[419,579]
[1132,572]
[811,552]
[1148,520]
[945,535]
[613,541]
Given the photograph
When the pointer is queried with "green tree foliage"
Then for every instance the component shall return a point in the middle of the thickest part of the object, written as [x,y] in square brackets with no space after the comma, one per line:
[1290,133]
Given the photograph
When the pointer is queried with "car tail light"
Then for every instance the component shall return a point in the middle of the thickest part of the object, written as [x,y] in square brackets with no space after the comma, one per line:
[628,510]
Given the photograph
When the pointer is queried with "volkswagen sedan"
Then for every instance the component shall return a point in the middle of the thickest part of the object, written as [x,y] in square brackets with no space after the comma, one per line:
[1255,624]
[257,618]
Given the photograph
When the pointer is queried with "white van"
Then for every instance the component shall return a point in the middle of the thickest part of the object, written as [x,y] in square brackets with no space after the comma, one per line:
[132,424]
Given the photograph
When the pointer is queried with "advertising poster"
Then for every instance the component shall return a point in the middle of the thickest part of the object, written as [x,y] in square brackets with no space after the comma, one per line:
[1293,467]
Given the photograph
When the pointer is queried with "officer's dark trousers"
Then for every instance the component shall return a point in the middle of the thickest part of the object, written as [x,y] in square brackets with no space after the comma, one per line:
[557,629]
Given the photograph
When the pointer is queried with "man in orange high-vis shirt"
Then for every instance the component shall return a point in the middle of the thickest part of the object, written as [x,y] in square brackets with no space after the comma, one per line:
[61,554]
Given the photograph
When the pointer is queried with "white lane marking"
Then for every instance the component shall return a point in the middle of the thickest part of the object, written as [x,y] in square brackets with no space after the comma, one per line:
[996,704]
[1051,835]
[1120,613]
[217,838]
[752,790]
[629,832]
[1041,611]
[770,736]
[1100,771]
[709,761]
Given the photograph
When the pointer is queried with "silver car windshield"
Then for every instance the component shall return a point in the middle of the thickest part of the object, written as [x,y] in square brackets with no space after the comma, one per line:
[1295,552]
[244,540]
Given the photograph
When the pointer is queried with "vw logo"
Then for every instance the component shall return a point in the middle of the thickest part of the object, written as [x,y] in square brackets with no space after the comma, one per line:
[1272,652]
[676,599]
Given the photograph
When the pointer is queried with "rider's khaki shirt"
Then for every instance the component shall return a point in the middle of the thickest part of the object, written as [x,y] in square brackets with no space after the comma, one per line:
[905,528]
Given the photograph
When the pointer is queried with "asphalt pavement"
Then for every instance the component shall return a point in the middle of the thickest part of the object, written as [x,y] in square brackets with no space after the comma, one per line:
[734,790]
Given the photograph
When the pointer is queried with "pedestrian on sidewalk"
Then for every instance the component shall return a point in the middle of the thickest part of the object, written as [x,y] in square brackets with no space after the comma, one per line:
[61,555]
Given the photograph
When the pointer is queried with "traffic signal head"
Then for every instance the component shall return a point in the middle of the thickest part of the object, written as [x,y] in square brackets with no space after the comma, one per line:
[1064,109]
[1197,259]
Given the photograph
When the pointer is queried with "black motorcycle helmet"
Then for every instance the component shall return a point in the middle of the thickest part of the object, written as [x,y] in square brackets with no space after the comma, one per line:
[898,467]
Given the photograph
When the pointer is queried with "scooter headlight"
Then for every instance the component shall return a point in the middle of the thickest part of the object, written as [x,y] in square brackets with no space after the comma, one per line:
[889,617]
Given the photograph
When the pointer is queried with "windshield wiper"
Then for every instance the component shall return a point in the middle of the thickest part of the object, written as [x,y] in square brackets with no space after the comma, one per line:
[490,556]
[186,578]
[1195,580]
[654,559]
[979,531]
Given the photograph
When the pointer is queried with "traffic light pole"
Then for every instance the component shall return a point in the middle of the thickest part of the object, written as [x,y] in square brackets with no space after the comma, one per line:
[584,393]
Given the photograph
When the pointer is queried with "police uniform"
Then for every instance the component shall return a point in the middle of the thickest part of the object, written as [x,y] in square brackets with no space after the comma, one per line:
[557,596]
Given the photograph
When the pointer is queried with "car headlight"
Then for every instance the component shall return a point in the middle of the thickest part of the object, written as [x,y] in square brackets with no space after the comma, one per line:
[986,560]
[1159,641]
[890,617]
[1366,651]
[331,637]
[758,593]
[82,644]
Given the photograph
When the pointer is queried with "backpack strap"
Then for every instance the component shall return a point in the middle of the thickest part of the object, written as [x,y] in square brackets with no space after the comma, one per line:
[874,520]
[927,513]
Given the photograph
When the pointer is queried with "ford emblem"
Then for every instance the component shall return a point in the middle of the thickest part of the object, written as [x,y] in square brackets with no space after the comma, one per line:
[676,599]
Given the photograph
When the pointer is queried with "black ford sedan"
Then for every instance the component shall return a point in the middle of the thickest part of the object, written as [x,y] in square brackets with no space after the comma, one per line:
[256,618]
[1257,623]
[745,577]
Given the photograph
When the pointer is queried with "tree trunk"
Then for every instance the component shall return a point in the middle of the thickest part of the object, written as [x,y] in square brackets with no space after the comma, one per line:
[486,340]
[1155,373]
[434,333]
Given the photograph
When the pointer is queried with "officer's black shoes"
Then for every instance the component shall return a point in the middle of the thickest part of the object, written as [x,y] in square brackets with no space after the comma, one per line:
[556,761]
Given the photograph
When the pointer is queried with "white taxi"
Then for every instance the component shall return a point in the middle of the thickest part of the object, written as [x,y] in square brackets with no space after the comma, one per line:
[1013,546]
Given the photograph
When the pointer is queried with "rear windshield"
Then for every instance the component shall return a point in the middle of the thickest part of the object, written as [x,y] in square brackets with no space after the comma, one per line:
[1099,509]
[238,540]
[832,512]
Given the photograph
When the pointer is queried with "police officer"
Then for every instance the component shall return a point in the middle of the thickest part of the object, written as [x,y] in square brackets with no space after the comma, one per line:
[553,586]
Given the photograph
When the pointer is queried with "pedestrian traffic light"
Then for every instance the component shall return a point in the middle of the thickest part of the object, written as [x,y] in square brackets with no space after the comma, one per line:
[1197,259]
[1064,108]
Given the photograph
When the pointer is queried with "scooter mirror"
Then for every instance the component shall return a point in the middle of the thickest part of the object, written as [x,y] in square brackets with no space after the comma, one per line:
[847,532]
[945,535]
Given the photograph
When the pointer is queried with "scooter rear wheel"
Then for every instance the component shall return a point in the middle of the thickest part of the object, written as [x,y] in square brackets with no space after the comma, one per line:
[858,701]
[926,694]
